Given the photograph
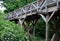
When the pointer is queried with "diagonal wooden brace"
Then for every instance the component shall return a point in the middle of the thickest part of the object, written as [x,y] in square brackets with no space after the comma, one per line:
[51,15]
[44,18]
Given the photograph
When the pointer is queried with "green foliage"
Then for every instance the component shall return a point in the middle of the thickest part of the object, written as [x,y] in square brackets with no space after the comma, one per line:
[40,29]
[39,39]
[29,1]
[9,31]
[14,4]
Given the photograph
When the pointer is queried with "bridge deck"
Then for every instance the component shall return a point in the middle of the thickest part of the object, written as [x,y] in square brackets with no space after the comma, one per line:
[33,8]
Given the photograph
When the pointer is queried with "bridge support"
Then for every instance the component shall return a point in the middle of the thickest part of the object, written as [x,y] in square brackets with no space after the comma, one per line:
[47,20]
[20,22]
[47,25]
[27,28]
[47,28]
[29,24]
[55,36]
[55,27]
[34,23]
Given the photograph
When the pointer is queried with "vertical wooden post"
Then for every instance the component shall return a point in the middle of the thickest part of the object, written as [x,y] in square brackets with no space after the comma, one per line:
[20,22]
[27,35]
[47,25]
[37,5]
[47,28]
[33,31]
[33,23]
[57,4]
[27,31]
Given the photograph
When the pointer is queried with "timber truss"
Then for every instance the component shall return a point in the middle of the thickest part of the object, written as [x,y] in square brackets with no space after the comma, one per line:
[31,12]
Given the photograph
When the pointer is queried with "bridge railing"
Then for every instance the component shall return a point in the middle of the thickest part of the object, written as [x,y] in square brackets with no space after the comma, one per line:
[35,6]
[25,9]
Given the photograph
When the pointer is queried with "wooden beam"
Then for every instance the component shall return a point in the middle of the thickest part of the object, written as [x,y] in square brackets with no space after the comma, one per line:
[53,37]
[47,28]
[34,23]
[47,25]
[21,22]
[43,17]
[57,3]
[33,33]
[51,15]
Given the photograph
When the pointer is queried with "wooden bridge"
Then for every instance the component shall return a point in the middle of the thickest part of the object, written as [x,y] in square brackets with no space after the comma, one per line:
[47,9]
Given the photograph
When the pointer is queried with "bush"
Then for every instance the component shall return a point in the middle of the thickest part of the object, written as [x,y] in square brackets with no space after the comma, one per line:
[9,31]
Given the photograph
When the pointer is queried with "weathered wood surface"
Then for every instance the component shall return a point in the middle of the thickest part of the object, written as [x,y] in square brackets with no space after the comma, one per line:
[32,8]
